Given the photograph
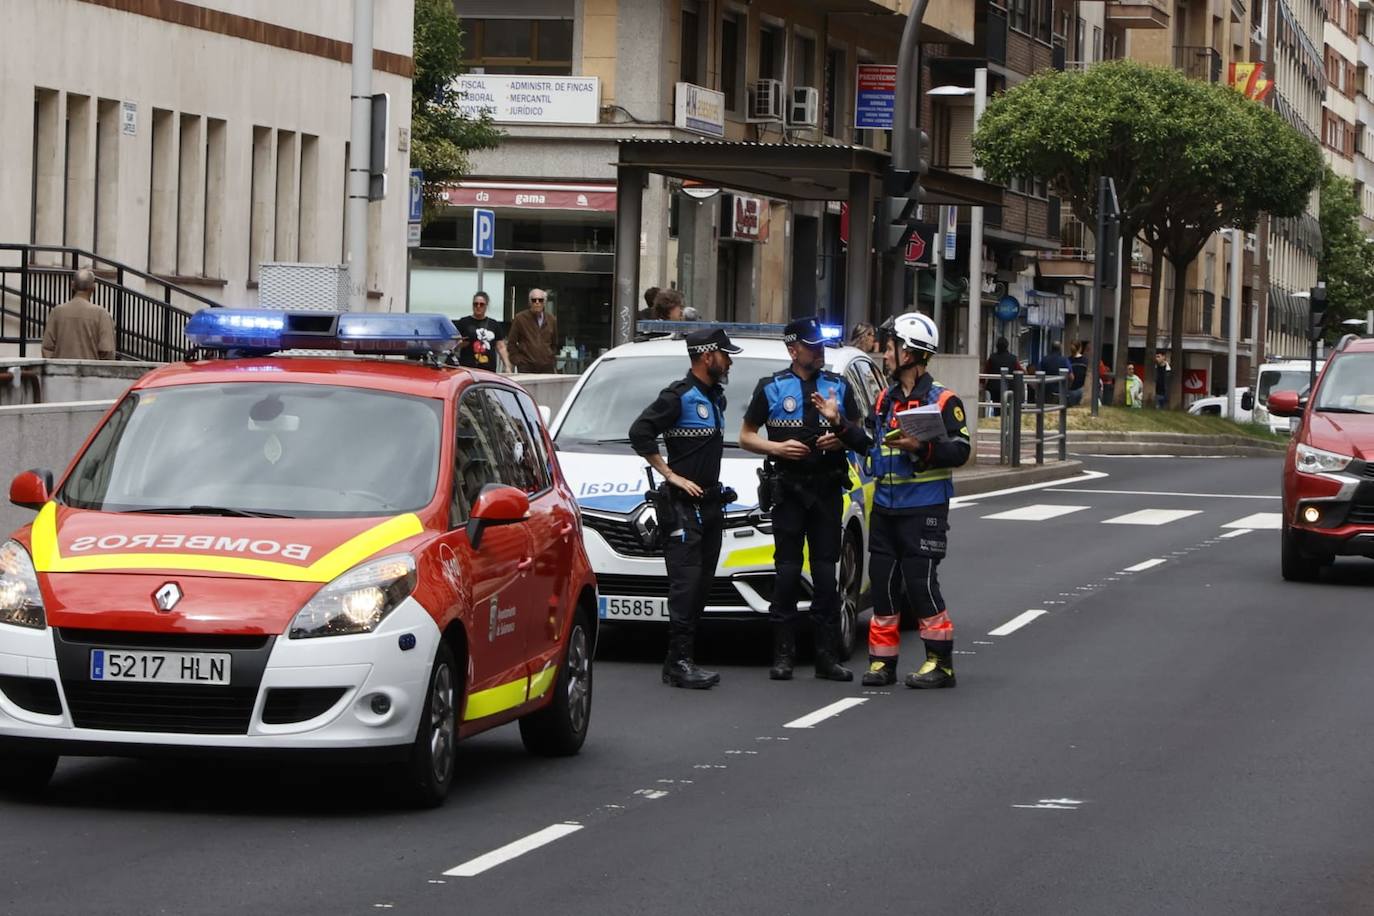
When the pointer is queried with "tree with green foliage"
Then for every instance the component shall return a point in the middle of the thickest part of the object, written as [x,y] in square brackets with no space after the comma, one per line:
[1246,162]
[1347,260]
[441,137]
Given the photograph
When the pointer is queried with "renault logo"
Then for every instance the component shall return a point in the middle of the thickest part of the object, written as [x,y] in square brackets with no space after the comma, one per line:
[167,597]
[646,525]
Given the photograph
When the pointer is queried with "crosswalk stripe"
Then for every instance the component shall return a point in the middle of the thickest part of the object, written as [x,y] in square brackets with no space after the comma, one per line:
[1035,513]
[1152,517]
[1271,521]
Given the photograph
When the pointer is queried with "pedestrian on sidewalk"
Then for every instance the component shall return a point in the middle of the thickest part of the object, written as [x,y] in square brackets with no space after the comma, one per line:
[864,337]
[533,338]
[78,328]
[668,305]
[1135,388]
[913,484]
[483,339]
[1078,374]
[648,311]
[1163,371]
[1002,358]
[1054,362]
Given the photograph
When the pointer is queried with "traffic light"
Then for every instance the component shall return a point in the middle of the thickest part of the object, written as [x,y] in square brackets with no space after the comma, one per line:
[904,196]
[1317,313]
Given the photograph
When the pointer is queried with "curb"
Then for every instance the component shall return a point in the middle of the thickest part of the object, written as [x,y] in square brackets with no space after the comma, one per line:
[1163,449]
[987,481]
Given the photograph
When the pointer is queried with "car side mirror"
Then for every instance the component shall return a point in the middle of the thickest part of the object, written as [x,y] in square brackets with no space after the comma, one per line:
[496,505]
[1284,404]
[31,489]
[1247,401]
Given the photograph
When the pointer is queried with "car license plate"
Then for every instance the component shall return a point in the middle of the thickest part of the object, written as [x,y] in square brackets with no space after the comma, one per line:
[128,665]
[617,607]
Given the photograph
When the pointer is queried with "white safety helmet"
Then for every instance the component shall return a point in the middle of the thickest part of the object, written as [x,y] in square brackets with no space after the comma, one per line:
[915,331]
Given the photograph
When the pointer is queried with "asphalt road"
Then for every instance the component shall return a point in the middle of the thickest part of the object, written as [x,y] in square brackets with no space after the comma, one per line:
[1190,737]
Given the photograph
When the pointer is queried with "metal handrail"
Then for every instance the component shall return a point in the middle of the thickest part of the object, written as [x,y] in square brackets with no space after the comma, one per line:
[146,327]
[1015,386]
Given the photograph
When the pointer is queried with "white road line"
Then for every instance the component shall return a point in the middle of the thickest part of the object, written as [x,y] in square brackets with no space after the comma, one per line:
[1141,567]
[512,850]
[1237,533]
[1152,517]
[825,712]
[1017,622]
[1037,512]
[1269,521]
[1085,477]
[1166,493]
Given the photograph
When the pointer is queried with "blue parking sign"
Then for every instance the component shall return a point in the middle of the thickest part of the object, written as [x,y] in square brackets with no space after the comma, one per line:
[483,233]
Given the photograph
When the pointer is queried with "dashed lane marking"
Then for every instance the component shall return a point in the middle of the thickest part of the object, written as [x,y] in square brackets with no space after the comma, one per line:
[1151,517]
[1148,564]
[825,712]
[1037,512]
[1017,622]
[514,850]
[1269,521]
[1057,804]
[1166,493]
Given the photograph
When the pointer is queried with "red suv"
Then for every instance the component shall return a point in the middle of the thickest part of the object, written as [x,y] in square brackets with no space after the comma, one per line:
[265,554]
[1328,476]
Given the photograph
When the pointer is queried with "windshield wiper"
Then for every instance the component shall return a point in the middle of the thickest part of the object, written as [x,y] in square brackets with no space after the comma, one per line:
[206,510]
[1343,410]
[624,441]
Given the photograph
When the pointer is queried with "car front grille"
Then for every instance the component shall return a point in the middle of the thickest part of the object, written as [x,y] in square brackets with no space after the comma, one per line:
[189,709]
[36,694]
[1360,514]
[620,534]
[722,592]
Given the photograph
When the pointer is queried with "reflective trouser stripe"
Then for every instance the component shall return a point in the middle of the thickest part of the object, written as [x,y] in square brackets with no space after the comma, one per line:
[884,640]
[937,627]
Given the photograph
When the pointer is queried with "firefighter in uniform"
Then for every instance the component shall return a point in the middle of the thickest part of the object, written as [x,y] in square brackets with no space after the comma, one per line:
[812,418]
[912,488]
[690,416]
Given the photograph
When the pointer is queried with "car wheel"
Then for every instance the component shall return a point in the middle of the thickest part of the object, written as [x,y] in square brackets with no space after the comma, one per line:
[851,588]
[433,757]
[559,729]
[1297,566]
[26,774]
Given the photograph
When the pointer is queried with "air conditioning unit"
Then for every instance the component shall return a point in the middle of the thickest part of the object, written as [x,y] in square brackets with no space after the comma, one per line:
[765,101]
[805,110]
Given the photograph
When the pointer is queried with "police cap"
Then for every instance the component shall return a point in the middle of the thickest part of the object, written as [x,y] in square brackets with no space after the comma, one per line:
[805,331]
[705,341]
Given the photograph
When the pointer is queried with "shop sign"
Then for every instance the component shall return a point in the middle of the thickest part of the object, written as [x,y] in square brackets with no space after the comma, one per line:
[920,248]
[1195,381]
[700,110]
[1044,311]
[875,96]
[530,99]
[530,197]
[747,221]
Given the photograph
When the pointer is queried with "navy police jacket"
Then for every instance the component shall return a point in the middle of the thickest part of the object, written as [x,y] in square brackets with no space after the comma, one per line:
[690,416]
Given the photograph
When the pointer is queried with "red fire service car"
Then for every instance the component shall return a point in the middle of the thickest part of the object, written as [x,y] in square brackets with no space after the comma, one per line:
[290,553]
[1328,476]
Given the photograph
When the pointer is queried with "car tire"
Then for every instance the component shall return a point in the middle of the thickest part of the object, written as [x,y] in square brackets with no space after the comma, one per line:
[559,729]
[26,774]
[1297,566]
[851,591]
[433,757]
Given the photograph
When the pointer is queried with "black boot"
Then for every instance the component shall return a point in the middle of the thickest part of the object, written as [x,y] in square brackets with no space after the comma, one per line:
[827,664]
[784,652]
[882,672]
[680,671]
[937,672]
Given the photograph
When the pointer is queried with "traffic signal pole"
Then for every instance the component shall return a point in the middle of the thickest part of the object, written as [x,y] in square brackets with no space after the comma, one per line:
[907,149]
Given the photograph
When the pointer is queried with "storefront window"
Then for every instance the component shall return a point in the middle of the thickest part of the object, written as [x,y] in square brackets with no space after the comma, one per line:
[530,46]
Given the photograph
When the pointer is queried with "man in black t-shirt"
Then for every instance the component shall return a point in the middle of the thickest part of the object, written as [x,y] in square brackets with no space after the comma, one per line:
[483,338]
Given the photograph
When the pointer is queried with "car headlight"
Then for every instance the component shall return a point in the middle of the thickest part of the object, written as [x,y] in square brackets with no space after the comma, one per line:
[1315,461]
[21,604]
[357,601]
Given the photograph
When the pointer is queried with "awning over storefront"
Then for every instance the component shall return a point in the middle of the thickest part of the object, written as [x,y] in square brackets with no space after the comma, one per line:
[593,197]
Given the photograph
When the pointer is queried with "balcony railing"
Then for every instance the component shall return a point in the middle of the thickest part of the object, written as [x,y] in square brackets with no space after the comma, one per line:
[1137,14]
[1198,62]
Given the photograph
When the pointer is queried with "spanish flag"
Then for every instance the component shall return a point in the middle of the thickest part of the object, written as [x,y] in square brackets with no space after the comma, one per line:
[1248,78]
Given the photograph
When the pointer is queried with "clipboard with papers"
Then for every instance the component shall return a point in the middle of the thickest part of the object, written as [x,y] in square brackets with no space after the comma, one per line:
[924,424]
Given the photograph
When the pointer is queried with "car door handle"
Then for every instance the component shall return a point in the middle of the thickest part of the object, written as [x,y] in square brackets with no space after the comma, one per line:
[524,564]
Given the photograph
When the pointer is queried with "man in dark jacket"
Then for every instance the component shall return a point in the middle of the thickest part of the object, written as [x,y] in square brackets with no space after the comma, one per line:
[533,338]
[999,360]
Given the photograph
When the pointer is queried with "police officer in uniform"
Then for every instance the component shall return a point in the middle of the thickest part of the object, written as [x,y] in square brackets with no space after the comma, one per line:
[690,416]
[812,418]
[912,488]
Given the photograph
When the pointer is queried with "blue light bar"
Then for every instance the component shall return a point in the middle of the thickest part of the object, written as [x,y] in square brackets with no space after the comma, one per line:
[833,334]
[262,331]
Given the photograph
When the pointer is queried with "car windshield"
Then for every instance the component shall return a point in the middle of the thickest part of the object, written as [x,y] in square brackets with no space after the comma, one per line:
[1271,380]
[619,389]
[272,448]
[1348,384]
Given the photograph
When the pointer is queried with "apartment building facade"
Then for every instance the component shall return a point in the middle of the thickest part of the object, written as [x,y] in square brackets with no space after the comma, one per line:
[197,140]
[1364,113]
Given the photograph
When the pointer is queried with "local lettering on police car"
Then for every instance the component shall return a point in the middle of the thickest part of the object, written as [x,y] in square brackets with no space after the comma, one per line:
[260,547]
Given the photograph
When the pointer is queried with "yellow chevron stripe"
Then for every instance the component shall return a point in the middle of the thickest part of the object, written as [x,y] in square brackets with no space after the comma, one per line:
[47,557]
[496,699]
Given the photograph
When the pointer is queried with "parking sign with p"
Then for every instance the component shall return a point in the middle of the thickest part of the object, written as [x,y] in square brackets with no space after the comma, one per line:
[483,233]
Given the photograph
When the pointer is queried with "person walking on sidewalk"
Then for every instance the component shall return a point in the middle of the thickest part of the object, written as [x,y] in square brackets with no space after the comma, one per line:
[533,338]
[1163,371]
[812,418]
[690,416]
[78,328]
[912,489]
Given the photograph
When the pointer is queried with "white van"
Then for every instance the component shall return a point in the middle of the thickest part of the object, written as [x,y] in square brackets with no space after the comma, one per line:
[1281,375]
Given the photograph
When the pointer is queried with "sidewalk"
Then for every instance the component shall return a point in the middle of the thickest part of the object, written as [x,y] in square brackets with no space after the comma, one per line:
[971,480]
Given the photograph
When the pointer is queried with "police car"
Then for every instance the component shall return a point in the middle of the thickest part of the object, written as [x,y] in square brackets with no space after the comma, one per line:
[609,479]
[272,553]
